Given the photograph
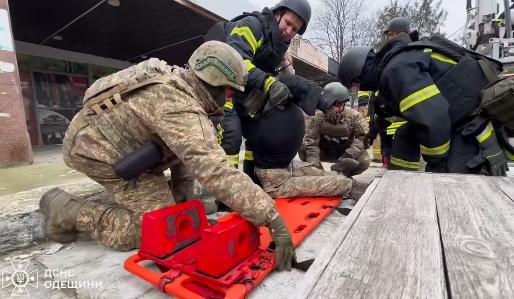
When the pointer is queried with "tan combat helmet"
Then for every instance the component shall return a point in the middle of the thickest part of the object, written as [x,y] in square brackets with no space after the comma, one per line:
[218,64]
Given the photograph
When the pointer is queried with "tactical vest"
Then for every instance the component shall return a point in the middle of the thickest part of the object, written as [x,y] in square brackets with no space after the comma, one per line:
[108,95]
[334,135]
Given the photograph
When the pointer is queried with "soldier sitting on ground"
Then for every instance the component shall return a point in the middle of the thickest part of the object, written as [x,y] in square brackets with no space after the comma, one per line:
[171,105]
[337,136]
[276,137]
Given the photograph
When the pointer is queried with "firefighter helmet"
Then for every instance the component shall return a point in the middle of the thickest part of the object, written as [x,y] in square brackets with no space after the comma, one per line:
[300,7]
[352,63]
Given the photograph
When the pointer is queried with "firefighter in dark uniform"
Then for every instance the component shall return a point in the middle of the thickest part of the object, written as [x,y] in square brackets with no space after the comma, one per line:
[262,39]
[437,96]
[380,124]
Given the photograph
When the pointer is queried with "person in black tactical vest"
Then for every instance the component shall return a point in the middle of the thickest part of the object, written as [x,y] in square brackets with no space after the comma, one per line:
[435,85]
[262,39]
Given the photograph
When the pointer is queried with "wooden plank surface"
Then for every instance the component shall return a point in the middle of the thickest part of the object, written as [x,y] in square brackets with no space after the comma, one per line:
[325,257]
[391,249]
[477,230]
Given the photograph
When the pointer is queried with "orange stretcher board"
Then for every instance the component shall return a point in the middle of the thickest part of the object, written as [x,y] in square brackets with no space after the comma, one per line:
[181,276]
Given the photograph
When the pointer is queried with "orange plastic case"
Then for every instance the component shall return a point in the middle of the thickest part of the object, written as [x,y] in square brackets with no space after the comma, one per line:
[224,260]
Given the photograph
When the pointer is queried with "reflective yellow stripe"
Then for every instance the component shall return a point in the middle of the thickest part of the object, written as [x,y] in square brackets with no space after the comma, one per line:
[249,65]
[267,83]
[397,124]
[439,56]
[443,58]
[228,105]
[418,97]
[404,164]
[247,33]
[377,93]
[363,94]
[509,155]
[219,135]
[435,151]
[234,159]
[486,133]
[391,130]
[248,155]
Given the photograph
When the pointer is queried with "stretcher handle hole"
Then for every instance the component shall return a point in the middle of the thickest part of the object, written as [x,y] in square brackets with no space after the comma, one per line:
[300,228]
[312,215]
[291,200]
[305,203]
[324,207]
[185,226]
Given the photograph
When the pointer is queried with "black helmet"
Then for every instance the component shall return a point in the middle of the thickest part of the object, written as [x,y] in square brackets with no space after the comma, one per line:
[398,24]
[352,62]
[300,7]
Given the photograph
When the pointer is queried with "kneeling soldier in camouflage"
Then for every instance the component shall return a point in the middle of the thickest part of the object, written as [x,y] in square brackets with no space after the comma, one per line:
[167,105]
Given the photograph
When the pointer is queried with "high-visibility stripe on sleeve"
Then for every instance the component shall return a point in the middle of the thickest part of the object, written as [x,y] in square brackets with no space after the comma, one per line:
[363,94]
[486,133]
[247,33]
[391,130]
[418,97]
[435,151]
[267,83]
[440,57]
[249,65]
[404,164]
[228,105]
[248,155]
[233,159]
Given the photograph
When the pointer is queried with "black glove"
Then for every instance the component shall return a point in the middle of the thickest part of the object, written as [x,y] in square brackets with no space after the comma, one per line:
[278,94]
[490,152]
[284,249]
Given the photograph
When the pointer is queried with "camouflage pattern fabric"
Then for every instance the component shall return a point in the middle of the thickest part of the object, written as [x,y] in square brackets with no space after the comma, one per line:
[302,179]
[347,128]
[177,112]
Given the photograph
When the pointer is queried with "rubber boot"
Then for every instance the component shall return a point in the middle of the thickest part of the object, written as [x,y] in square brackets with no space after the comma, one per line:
[60,209]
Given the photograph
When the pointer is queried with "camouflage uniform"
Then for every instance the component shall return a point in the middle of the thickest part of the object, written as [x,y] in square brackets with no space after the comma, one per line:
[329,136]
[302,179]
[175,110]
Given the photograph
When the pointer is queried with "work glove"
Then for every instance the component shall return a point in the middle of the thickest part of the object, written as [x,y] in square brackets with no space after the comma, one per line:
[351,153]
[278,94]
[490,153]
[346,166]
[284,250]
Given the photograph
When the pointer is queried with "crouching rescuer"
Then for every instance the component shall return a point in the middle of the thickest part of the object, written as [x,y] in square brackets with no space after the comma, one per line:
[169,106]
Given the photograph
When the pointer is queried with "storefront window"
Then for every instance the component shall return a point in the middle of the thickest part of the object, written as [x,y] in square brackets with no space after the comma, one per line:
[53,90]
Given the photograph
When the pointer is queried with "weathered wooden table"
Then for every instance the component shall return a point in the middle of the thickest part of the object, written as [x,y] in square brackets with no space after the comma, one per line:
[421,235]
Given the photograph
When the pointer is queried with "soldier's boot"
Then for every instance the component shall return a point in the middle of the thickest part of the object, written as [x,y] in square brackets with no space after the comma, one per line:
[346,166]
[358,188]
[60,210]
